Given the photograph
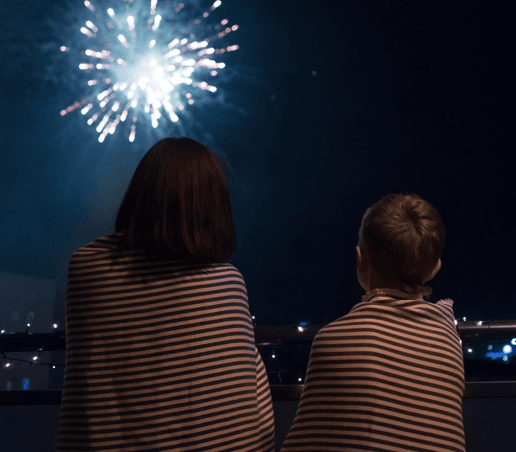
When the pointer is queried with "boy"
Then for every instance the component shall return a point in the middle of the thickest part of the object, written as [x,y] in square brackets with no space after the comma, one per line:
[388,376]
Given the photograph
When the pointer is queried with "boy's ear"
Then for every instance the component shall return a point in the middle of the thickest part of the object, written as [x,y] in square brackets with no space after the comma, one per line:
[360,260]
[434,271]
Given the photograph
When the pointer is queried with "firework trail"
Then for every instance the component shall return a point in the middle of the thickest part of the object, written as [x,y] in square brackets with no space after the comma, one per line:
[145,60]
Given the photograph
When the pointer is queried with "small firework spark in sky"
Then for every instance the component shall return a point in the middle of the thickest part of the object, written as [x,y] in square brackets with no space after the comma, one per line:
[146,60]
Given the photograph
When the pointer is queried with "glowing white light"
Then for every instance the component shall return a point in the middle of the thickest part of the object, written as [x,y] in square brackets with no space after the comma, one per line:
[300,329]
[132,135]
[28,325]
[173,52]
[456,322]
[299,379]
[513,341]
[83,111]
[170,71]
[273,355]
[479,322]
[92,26]
[34,358]
[505,358]
[2,332]
[55,324]
[464,319]
[470,350]
[507,349]
[157,20]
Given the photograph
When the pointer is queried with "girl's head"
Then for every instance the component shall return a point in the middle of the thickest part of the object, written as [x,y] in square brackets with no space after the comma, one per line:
[402,238]
[178,205]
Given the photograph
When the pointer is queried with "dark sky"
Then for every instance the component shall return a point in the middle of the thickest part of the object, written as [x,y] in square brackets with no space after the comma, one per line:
[407,96]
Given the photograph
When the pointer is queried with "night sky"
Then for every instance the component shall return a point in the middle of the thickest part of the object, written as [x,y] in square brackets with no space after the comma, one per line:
[327,106]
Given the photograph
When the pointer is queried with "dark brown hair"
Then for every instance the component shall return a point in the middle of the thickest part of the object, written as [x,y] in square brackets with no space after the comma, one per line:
[178,205]
[403,236]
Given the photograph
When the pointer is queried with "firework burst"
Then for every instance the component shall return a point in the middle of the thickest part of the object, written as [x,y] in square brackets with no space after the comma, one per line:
[146,61]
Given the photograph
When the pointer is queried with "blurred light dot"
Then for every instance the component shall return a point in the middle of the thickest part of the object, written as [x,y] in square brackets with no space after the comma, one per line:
[507,349]
[489,347]
[470,350]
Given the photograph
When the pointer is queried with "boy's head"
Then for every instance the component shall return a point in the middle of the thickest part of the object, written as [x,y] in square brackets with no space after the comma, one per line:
[399,244]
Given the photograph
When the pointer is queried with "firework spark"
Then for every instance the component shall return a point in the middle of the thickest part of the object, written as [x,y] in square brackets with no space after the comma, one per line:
[146,62]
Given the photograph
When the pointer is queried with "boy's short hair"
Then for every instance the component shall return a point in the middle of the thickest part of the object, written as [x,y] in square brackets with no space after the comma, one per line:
[403,236]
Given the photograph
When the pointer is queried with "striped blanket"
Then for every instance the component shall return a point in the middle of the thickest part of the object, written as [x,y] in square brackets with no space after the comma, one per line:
[388,376]
[160,356]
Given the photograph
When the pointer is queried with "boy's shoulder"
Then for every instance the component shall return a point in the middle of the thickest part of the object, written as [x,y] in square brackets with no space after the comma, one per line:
[395,312]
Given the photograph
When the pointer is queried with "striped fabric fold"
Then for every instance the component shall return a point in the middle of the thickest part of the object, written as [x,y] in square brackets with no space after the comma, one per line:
[387,377]
[160,356]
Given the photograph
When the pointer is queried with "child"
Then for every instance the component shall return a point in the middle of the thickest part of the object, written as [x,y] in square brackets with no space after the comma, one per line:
[388,376]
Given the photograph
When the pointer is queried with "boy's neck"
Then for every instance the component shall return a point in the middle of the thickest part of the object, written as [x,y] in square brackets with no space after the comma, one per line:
[391,292]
